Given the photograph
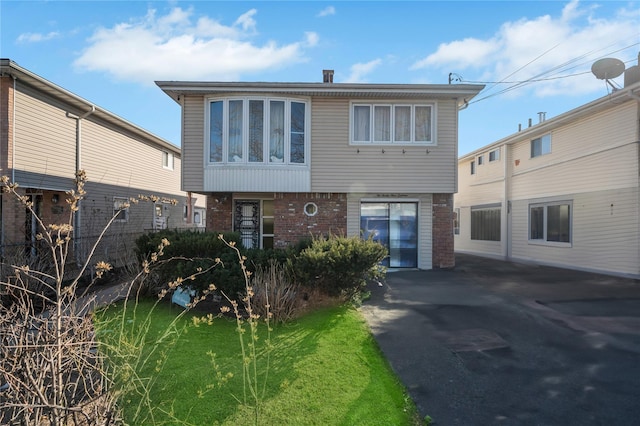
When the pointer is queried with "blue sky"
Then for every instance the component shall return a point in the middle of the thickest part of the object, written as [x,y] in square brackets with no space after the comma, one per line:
[534,56]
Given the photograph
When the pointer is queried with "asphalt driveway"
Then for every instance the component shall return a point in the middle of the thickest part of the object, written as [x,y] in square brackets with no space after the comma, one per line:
[500,343]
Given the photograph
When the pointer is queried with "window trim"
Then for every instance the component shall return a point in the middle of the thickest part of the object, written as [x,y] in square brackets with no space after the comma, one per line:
[545,242]
[486,207]
[266,162]
[117,204]
[392,105]
[170,160]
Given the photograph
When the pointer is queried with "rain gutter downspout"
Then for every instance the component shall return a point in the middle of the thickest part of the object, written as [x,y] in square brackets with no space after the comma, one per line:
[77,229]
[13,133]
[13,159]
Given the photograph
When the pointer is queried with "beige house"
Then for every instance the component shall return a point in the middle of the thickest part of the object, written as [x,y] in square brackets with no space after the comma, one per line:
[283,161]
[563,192]
[47,134]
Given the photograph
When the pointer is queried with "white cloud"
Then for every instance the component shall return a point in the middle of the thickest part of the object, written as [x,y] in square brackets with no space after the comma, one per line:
[37,37]
[544,47]
[173,47]
[360,70]
[329,10]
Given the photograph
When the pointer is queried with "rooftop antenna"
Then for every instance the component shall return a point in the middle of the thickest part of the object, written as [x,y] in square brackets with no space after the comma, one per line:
[608,68]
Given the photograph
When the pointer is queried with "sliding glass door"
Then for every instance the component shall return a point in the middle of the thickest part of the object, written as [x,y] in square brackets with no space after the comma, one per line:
[394,225]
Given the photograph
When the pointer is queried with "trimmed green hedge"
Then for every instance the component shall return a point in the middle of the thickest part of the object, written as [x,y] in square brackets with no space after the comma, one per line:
[334,265]
[338,265]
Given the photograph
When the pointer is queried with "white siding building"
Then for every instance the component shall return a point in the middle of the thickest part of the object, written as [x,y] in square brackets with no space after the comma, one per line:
[563,192]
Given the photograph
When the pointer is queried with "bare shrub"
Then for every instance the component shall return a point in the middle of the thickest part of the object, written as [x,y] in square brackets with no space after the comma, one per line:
[274,291]
[50,369]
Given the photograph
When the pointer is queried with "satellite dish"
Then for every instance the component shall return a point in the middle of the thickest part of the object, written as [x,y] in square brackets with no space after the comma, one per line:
[607,68]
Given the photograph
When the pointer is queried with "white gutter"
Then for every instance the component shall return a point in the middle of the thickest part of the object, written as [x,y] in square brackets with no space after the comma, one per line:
[77,228]
[13,134]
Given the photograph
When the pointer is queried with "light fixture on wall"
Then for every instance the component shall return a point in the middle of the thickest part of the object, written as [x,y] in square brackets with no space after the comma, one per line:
[55,198]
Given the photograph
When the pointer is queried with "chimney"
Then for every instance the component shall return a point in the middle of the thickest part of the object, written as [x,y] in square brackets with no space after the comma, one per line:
[327,76]
[541,117]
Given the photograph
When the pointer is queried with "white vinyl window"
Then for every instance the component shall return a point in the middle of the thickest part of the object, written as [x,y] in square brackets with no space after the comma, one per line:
[473,167]
[494,155]
[550,223]
[258,131]
[121,209]
[541,146]
[485,222]
[481,160]
[167,160]
[392,124]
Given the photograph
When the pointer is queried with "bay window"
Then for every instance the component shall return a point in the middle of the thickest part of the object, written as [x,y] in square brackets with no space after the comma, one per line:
[397,123]
[258,131]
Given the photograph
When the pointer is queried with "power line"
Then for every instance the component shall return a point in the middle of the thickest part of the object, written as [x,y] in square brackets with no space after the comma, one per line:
[575,62]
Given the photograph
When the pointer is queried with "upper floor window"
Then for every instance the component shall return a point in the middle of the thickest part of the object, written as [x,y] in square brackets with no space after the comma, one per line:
[473,167]
[541,146]
[494,155]
[481,160]
[258,130]
[167,160]
[391,123]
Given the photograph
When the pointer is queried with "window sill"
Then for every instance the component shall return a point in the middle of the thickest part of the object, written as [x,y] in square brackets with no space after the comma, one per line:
[550,244]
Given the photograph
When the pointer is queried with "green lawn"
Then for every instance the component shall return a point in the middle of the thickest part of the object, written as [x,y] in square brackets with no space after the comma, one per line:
[324,369]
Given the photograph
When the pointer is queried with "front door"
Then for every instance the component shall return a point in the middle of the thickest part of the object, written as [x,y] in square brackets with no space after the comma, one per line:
[247,222]
[394,225]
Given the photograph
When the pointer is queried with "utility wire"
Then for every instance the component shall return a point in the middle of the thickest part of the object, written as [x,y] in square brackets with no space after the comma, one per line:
[575,62]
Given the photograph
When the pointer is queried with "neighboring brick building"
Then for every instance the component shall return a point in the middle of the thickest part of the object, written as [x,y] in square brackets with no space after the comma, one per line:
[285,161]
[46,134]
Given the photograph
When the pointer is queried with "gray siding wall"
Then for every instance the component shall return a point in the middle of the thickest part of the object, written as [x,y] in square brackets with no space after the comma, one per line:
[117,163]
[193,124]
[339,167]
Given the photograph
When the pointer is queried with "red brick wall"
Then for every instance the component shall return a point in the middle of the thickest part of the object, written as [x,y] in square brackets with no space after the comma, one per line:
[443,255]
[219,212]
[292,224]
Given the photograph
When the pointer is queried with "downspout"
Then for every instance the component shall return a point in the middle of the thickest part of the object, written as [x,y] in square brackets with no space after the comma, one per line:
[13,134]
[506,207]
[13,158]
[77,219]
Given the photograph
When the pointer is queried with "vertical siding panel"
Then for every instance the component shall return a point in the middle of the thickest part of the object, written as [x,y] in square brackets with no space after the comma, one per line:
[193,127]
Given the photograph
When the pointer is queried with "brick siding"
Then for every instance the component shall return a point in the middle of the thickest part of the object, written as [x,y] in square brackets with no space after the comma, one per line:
[443,254]
[291,224]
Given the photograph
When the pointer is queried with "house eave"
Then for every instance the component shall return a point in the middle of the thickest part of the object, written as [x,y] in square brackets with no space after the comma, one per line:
[614,99]
[9,68]
[352,90]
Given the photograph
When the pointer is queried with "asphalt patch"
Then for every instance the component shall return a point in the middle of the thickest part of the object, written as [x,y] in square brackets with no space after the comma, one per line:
[473,339]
